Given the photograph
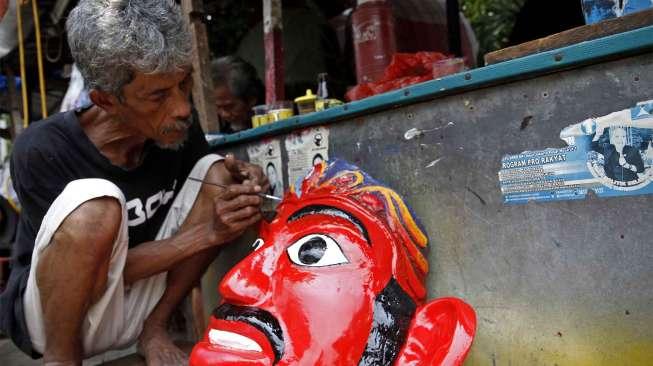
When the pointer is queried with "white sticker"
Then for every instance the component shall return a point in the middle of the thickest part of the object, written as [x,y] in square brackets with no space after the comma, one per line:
[305,149]
[267,155]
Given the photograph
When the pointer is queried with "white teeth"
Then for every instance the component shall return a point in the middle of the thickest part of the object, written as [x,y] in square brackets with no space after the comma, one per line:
[233,340]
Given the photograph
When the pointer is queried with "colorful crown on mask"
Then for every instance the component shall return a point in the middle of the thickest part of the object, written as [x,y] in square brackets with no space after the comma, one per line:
[341,179]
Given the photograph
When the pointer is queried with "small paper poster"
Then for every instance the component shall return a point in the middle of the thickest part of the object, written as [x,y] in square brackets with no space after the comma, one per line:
[610,155]
[305,149]
[267,155]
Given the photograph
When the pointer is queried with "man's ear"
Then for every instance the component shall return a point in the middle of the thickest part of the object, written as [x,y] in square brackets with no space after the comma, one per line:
[104,100]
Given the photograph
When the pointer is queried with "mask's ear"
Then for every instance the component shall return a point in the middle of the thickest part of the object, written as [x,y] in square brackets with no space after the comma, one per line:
[441,333]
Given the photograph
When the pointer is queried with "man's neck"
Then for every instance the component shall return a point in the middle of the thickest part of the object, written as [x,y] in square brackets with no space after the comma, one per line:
[123,146]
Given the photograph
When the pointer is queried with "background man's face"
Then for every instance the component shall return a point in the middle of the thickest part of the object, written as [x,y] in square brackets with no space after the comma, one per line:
[231,108]
[315,273]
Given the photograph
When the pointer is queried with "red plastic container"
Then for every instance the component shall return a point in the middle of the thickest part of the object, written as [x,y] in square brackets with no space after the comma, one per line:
[374,39]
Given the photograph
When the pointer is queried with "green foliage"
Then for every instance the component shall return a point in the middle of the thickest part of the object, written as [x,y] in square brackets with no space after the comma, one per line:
[492,21]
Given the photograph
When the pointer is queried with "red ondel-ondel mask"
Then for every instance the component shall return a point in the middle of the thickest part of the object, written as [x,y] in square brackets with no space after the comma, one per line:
[336,278]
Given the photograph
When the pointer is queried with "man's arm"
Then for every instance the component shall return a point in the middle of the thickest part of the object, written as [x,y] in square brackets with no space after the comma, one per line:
[233,212]
[155,257]
[207,225]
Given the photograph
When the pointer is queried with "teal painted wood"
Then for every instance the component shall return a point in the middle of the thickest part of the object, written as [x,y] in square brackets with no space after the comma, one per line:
[614,46]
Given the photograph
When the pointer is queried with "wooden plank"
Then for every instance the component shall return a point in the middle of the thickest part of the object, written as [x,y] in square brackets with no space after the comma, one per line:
[573,36]
[273,40]
[14,111]
[203,92]
[4,4]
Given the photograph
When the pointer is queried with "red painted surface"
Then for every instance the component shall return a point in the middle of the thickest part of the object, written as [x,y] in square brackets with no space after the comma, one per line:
[323,298]
[373,29]
[441,333]
[205,354]
[274,68]
[3,8]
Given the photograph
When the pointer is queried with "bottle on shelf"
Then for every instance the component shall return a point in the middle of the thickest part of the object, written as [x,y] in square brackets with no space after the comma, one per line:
[322,87]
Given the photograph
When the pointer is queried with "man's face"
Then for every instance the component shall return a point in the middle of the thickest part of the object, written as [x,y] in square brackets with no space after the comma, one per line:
[272,174]
[618,138]
[232,109]
[157,107]
[317,159]
[314,272]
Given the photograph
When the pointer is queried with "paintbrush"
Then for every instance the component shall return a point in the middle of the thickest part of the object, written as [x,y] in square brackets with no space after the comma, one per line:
[263,195]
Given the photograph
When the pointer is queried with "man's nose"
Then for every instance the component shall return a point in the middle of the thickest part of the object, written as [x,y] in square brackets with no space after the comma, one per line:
[247,283]
[181,107]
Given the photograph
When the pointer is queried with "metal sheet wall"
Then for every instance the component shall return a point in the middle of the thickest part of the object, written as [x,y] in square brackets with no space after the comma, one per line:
[563,283]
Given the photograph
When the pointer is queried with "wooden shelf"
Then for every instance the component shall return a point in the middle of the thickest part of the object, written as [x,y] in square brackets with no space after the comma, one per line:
[573,36]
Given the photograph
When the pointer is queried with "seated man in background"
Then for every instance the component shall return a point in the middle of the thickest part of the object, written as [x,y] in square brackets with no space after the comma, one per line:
[237,90]
[113,234]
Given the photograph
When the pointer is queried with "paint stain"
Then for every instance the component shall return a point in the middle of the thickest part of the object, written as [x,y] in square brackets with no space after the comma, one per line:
[432,164]
[477,195]
[416,132]
[525,122]
[412,133]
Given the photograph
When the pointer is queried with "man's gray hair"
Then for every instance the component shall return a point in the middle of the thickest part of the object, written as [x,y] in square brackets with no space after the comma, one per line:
[111,39]
[239,76]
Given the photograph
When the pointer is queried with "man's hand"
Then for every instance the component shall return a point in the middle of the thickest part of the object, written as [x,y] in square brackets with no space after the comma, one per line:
[246,173]
[235,210]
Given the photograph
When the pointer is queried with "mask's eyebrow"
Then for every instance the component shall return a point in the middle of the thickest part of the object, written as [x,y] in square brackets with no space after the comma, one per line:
[331,211]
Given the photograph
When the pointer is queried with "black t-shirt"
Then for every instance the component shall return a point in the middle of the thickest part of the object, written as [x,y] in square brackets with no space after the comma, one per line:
[50,154]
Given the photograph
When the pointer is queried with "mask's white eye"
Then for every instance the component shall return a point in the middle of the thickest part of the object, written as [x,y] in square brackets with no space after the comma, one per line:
[316,250]
[257,244]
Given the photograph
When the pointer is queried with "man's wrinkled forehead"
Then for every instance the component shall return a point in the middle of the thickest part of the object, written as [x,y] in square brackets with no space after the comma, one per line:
[330,211]
[146,83]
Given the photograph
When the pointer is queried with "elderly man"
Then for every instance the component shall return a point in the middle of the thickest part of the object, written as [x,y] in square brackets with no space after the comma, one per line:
[336,279]
[113,234]
[623,162]
[237,90]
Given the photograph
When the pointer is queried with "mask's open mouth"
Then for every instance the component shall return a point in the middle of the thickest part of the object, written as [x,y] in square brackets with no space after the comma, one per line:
[233,340]
[234,343]
[247,329]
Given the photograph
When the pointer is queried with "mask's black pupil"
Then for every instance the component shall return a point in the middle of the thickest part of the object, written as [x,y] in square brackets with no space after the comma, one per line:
[312,251]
